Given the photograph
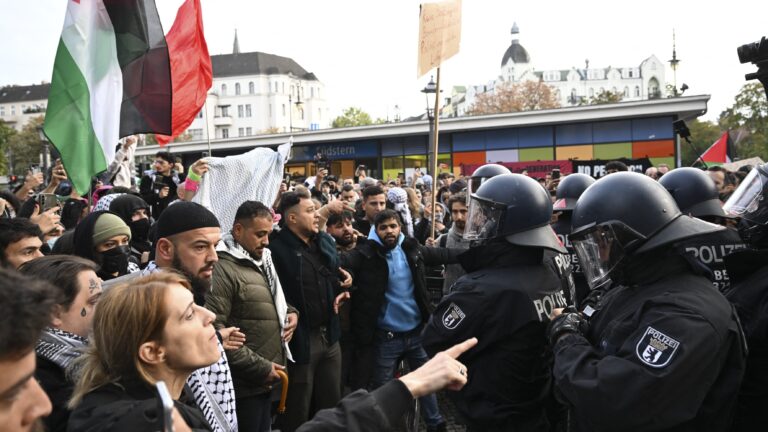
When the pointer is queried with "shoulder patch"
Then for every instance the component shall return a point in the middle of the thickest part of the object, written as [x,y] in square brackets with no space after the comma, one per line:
[656,349]
[453,316]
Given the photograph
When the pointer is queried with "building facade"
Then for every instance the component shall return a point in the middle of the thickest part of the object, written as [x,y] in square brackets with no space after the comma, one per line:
[574,86]
[20,104]
[256,93]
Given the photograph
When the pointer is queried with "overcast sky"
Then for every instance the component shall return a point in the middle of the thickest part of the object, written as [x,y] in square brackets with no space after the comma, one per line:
[364,51]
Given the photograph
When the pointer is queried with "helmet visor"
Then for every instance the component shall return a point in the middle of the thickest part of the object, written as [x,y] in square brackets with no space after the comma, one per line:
[601,249]
[748,201]
[483,219]
[472,186]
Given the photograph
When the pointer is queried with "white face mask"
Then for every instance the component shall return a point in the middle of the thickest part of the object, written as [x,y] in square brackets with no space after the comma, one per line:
[51,242]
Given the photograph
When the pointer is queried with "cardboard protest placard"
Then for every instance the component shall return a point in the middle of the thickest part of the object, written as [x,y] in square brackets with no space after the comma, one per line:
[439,33]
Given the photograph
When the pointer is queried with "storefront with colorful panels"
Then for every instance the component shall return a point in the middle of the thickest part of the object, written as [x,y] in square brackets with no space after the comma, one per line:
[630,130]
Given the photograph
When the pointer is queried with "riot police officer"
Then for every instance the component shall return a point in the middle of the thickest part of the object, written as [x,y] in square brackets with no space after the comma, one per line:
[510,289]
[664,350]
[568,192]
[481,175]
[696,195]
[748,269]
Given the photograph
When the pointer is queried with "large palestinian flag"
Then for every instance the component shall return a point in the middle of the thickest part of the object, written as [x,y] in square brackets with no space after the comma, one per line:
[111,78]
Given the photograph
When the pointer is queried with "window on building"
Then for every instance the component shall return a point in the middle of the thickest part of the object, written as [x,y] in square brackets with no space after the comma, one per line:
[223,89]
[637,91]
[225,111]
[318,92]
[251,88]
[591,92]
[626,92]
[631,73]
[312,92]
[13,110]
[2,111]
[225,133]
[248,131]
[248,110]
[197,134]
[240,132]
[283,110]
[237,89]
[240,111]
[301,111]
[319,114]
[200,114]
[292,94]
[283,86]
[270,110]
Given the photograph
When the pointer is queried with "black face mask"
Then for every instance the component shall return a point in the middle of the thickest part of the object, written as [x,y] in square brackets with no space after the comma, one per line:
[140,230]
[114,260]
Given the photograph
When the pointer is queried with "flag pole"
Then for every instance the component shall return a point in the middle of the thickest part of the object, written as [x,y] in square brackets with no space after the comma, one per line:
[435,135]
[207,128]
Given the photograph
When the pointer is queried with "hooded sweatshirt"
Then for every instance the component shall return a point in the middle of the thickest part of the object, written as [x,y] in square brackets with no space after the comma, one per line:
[400,312]
[452,272]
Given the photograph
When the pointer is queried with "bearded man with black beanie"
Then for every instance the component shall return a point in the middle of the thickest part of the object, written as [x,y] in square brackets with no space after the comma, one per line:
[186,238]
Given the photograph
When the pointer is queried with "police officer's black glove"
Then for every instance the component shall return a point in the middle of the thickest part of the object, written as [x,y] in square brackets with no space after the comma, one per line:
[567,322]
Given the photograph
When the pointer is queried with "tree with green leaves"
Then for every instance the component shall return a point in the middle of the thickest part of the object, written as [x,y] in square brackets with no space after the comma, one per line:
[747,120]
[25,147]
[703,134]
[352,116]
[6,132]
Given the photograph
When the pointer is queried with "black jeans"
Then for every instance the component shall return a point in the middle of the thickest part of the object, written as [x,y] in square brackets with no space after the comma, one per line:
[254,413]
[316,384]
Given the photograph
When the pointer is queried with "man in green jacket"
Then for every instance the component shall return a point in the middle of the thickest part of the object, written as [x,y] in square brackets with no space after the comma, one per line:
[246,293]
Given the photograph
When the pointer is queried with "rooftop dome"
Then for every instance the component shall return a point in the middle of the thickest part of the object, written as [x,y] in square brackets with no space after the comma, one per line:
[515,52]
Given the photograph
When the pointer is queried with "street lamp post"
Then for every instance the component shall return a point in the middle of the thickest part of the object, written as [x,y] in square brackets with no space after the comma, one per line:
[430,90]
[298,104]
[46,154]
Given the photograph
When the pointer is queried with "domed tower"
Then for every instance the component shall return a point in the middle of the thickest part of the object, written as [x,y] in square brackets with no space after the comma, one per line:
[514,55]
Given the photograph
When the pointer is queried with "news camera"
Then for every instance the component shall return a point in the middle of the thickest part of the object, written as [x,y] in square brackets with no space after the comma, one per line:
[757,54]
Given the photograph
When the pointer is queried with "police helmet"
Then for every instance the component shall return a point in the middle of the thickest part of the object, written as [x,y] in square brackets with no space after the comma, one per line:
[570,189]
[514,207]
[480,175]
[622,215]
[749,203]
[694,192]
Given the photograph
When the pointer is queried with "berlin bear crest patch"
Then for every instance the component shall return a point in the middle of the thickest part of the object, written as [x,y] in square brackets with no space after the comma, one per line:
[453,316]
[656,349]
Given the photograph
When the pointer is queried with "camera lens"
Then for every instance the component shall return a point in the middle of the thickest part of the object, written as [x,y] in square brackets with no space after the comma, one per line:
[747,52]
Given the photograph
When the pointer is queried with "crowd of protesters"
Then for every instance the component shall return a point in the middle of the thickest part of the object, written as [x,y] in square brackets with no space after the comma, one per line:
[336,283]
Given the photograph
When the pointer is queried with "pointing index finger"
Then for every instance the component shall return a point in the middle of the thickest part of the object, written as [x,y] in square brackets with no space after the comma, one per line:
[459,349]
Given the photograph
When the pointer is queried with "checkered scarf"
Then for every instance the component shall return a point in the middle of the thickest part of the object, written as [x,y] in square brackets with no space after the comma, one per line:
[59,346]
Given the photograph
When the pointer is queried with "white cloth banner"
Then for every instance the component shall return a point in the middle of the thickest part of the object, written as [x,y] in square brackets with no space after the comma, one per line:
[232,180]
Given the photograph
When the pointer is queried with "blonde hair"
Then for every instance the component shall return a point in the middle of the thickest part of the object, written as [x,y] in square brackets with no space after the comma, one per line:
[126,317]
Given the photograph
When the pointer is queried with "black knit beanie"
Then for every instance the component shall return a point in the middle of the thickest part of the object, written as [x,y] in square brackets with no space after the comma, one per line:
[183,216]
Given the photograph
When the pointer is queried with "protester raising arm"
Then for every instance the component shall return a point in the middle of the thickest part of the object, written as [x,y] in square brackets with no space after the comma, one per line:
[196,171]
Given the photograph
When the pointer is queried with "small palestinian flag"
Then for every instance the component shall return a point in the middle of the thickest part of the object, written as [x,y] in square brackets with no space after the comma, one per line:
[719,152]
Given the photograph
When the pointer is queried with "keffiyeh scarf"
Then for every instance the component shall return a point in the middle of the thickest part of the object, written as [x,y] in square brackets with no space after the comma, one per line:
[60,347]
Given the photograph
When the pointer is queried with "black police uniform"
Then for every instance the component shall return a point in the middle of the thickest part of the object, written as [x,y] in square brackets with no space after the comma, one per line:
[711,250]
[665,354]
[563,229]
[749,294]
[505,301]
